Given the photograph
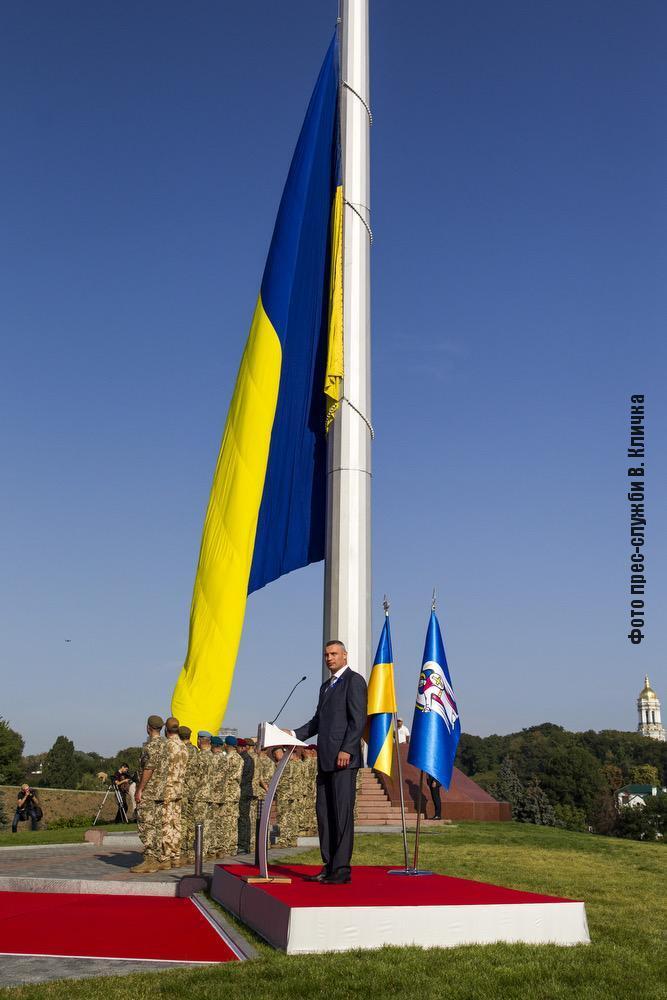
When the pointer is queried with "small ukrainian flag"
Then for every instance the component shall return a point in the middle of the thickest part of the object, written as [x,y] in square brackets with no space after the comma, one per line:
[381,705]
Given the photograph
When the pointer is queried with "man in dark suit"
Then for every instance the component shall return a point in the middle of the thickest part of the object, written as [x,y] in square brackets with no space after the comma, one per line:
[338,723]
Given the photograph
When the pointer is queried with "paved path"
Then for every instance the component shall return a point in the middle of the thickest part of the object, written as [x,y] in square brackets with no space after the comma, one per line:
[86,868]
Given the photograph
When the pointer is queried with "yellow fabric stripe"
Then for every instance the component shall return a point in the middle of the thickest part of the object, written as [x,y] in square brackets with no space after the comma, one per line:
[228,539]
[381,693]
[383,761]
[333,378]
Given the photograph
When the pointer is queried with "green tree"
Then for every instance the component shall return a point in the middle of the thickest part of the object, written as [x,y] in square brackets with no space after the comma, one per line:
[646,822]
[508,788]
[60,766]
[644,774]
[536,806]
[11,750]
[570,818]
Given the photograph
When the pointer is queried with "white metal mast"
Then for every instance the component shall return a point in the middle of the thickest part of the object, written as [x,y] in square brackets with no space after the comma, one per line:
[347,576]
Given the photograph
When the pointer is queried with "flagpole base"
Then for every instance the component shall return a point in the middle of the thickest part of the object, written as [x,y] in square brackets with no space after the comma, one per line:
[408,871]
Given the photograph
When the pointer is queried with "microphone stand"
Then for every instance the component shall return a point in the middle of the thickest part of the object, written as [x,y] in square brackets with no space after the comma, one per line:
[288,698]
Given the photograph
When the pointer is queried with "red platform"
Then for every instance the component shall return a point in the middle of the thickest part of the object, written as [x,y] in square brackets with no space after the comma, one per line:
[144,928]
[377,909]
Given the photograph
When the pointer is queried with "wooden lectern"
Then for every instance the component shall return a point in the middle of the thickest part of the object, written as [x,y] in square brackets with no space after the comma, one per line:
[269,736]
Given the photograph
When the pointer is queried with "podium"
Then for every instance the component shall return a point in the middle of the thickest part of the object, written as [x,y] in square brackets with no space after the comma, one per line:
[269,736]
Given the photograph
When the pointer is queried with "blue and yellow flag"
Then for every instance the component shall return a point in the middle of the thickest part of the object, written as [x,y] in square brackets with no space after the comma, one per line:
[436,726]
[381,705]
[266,512]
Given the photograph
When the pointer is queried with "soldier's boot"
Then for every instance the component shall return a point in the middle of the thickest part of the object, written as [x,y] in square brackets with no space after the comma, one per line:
[164,866]
[145,867]
[177,862]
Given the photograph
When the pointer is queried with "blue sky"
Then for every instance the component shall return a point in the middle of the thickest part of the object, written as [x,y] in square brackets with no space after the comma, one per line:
[519,212]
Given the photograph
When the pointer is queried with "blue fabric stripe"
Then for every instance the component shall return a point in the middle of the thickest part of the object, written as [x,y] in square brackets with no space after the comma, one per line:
[432,745]
[295,288]
[379,726]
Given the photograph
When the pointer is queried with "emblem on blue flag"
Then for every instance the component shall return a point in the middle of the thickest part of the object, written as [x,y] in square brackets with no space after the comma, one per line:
[436,726]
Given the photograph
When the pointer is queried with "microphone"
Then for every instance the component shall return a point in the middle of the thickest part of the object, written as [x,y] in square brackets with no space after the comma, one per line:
[288,697]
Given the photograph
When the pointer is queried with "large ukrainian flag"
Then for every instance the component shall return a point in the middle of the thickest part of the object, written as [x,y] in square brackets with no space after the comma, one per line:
[266,512]
[381,705]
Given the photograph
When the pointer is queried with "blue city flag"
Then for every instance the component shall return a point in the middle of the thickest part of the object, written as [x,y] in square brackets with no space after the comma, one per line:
[436,727]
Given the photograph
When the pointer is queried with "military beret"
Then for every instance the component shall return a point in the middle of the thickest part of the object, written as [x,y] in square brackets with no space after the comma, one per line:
[155,722]
[171,725]
[184,732]
[230,741]
[204,734]
[241,742]
[217,742]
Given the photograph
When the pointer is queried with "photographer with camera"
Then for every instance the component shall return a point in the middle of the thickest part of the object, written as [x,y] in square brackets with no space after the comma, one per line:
[121,781]
[27,807]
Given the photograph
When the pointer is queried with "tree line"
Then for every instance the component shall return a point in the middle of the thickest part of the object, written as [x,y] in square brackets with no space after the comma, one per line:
[552,776]
[549,775]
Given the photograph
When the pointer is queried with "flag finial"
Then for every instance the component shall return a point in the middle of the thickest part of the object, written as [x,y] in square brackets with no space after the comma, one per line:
[385,605]
[433,601]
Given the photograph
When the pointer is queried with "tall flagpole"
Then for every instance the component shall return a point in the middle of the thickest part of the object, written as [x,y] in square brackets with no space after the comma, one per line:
[347,574]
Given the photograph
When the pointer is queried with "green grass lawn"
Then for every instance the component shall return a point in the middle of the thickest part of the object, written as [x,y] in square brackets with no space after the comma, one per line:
[68,835]
[622,883]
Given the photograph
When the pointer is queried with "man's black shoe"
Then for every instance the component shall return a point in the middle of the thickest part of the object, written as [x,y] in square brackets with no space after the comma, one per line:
[320,877]
[336,879]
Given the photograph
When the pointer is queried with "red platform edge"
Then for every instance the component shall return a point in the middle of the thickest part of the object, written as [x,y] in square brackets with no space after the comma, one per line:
[372,886]
[82,925]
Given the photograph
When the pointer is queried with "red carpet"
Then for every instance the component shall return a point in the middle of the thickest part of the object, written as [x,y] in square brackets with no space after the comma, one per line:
[371,886]
[149,928]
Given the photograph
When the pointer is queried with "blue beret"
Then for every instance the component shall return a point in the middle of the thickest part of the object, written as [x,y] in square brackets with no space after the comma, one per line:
[217,742]
[205,735]
[231,741]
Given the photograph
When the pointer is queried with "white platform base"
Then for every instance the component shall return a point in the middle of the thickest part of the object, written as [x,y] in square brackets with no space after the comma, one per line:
[288,919]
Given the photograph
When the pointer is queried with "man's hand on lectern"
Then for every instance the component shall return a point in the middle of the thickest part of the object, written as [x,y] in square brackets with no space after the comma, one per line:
[288,731]
[342,760]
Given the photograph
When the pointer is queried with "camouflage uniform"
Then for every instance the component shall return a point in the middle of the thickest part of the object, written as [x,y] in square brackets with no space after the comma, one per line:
[286,805]
[220,770]
[203,794]
[176,757]
[245,801]
[187,802]
[357,795]
[149,810]
[230,805]
[308,816]
[263,772]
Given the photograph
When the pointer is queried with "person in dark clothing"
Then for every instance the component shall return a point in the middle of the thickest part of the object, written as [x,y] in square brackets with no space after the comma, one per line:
[27,807]
[434,786]
[338,723]
[121,781]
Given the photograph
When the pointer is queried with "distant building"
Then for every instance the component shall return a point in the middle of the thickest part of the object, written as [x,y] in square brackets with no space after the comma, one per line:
[648,706]
[636,795]
[226,731]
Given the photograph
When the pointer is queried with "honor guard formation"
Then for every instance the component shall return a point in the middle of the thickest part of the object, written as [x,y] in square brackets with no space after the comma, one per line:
[218,783]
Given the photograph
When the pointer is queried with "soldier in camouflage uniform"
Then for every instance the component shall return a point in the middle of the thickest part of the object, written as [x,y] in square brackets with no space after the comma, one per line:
[177,759]
[231,799]
[262,772]
[287,797]
[149,795]
[203,792]
[308,825]
[245,802]
[187,799]
[218,794]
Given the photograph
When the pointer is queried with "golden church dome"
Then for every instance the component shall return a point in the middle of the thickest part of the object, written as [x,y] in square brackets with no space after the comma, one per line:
[647,691]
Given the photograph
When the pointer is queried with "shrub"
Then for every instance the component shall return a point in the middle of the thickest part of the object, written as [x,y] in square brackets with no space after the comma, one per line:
[70,822]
